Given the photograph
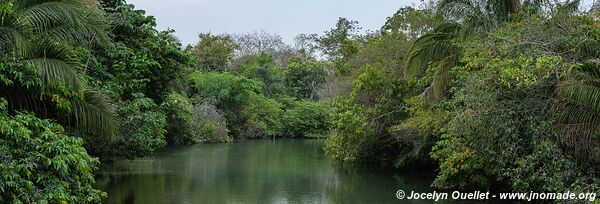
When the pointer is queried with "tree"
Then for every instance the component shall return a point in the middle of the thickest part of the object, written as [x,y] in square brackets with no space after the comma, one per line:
[261,42]
[410,21]
[40,34]
[178,110]
[434,47]
[360,121]
[304,78]
[501,126]
[305,46]
[141,59]
[307,119]
[145,132]
[261,116]
[257,42]
[263,68]
[248,112]
[213,52]
[337,42]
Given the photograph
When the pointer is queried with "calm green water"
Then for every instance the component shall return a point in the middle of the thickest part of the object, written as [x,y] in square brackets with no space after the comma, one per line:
[283,171]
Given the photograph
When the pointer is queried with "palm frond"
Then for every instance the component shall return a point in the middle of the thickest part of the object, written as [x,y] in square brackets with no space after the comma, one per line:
[46,15]
[442,77]
[476,13]
[20,98]
[589,70]
[584,89]
[578,108]
[72,21]
[56,65]
[457,9]
[570,112]
[86,27]
[95,114]
[54,72]
[441,81]
[13,33]
[40,32]
[430,47]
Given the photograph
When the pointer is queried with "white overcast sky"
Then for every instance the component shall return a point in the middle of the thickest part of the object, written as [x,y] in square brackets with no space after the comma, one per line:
[287,18]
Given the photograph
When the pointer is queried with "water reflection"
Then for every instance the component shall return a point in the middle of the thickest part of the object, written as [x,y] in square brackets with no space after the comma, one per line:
[283,171]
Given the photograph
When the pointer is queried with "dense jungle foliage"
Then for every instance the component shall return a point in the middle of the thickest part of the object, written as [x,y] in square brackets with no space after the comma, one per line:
[501,95]
[492,95]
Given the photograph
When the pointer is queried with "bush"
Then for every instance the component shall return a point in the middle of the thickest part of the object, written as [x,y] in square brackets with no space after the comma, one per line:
[262,67]
[249,114]
[352,131]
[178,110]
[210,122]
[503,132]
[143,128]
[227,90]
[419,131]
[361,120]
[500,139]
[307,119]
[142,131]
[40,164]
[304,78]
[261,118]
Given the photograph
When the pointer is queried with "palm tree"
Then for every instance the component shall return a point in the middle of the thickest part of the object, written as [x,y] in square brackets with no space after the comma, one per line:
[40,33]
[435,46]
[579,109]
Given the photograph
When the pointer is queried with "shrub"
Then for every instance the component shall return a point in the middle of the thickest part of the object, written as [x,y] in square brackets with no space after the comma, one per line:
[261,117]
[307,119]
[210,123]
[142,131]
[361,120]
[419,131]
[351,133]
[178,110]
[249,114]
[503,133]
[304,78]
[227,90]
[40,164]
[262,67]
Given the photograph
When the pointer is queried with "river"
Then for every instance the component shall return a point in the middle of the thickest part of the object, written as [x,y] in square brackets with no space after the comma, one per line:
[259,171]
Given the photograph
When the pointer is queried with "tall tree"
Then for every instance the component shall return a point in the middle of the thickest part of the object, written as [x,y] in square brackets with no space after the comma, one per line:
[141,59]
[414,22]
[213,52]
[337,42]
[257,42]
